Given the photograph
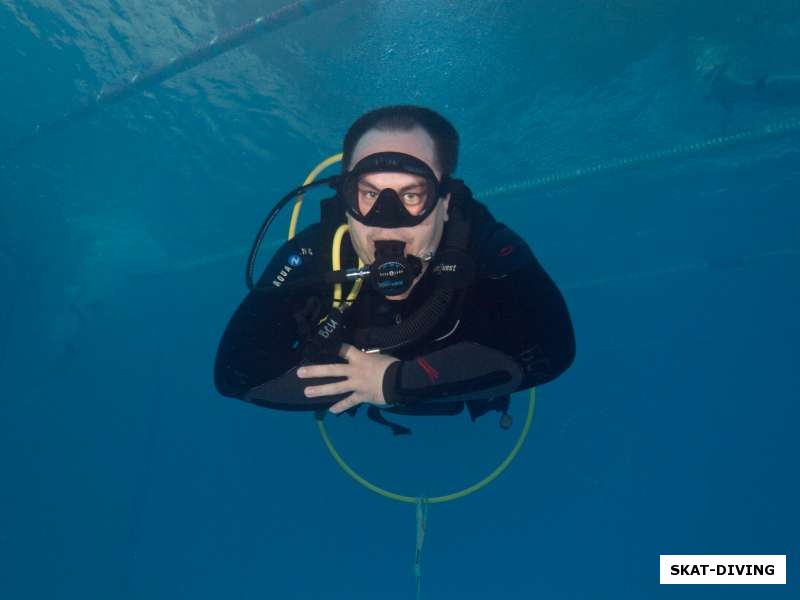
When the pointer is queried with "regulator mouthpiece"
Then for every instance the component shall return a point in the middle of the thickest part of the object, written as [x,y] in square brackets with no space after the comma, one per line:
[393,272]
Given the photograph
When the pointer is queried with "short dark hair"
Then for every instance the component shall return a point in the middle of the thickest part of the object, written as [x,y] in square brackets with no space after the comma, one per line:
[404,118]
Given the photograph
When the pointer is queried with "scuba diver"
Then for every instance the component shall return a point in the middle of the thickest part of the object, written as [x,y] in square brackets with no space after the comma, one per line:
[775,90]
[448,306]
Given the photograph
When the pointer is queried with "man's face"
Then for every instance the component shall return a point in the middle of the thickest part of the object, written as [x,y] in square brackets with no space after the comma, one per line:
[420,240]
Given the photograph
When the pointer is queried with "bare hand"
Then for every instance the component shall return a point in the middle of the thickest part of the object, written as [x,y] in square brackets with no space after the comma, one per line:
[364,373]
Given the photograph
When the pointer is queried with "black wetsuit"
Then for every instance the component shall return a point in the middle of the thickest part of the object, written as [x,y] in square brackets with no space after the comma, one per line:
[512,319]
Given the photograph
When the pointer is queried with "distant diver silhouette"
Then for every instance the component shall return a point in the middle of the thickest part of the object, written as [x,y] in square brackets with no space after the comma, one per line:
[774,90]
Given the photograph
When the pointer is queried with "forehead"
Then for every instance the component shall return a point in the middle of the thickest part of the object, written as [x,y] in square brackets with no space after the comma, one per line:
[415,142]
[398,181]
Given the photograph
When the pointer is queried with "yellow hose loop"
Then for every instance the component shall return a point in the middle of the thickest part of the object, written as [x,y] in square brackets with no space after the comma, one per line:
[336,265]
[312,175]
[320,416]
[309,178]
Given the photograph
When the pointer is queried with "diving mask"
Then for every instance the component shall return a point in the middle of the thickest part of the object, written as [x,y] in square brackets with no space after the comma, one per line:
[393,272]
[390,208]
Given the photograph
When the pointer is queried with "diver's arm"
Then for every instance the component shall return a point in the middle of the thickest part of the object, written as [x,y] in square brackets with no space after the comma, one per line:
[463,371]
[779,90]
[528,341]
[259,343]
